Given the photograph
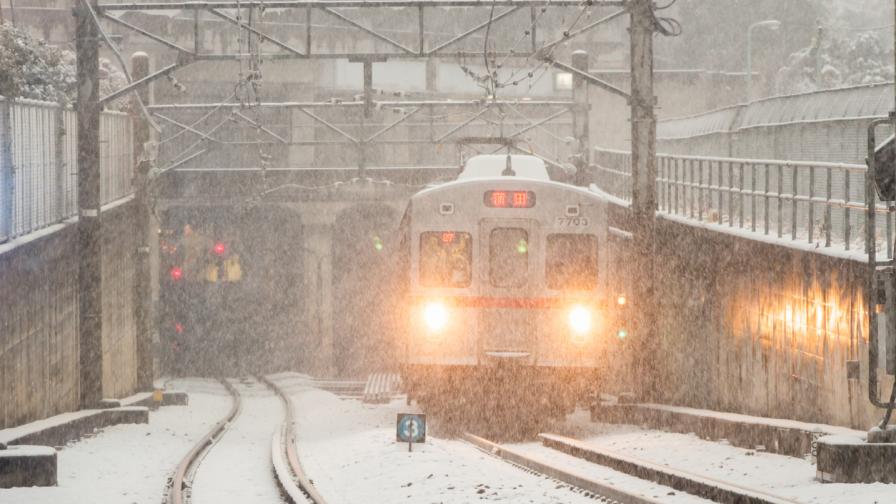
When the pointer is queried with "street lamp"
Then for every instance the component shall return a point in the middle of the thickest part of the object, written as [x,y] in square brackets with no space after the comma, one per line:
[772,24]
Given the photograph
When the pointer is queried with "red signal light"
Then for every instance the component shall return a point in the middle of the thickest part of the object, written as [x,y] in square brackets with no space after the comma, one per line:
[176,273]
[219,248]
[178,328]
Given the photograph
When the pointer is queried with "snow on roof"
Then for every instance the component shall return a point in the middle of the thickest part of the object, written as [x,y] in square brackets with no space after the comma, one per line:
[491,166]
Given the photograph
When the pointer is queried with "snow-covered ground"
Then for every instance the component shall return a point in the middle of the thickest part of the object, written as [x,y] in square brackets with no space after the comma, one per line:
[238,469]
[348,449]
[787,477]
[131,463]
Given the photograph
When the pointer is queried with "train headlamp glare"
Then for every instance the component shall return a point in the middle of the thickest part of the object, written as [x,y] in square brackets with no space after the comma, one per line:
[435,315]
[580,320]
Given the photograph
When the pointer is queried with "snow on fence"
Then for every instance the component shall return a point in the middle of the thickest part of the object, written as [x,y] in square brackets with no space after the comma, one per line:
[38,164]
[821,204]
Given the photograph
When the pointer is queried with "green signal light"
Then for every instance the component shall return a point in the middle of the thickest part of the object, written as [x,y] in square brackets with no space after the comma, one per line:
[622,334]
[522,247]
[377,243]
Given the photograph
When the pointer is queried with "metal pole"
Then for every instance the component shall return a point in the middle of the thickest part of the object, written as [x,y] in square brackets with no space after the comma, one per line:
[143,306]
[643,137]
[750,63]
[581,109]
[7,180]
[90,230]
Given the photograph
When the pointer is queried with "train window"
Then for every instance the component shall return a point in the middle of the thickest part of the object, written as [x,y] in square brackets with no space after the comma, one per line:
[571,261]
[508,257]
[446,259]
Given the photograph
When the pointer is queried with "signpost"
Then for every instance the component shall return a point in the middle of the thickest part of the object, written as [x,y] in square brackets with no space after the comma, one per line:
[410,428]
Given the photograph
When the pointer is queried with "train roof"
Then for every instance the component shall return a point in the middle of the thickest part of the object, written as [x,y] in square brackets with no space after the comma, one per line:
[492,165]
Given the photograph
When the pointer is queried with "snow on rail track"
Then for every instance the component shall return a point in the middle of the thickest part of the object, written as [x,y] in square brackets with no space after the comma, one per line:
[617,488]
[232,463]
[181,482]
[287,468]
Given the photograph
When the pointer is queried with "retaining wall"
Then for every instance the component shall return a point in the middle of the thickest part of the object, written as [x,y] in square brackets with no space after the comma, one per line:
[760,328]
[39,347]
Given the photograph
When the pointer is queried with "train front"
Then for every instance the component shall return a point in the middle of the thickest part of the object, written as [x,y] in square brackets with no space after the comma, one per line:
[509,301]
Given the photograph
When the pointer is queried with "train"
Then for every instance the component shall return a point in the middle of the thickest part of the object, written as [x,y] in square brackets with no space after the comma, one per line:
[509,296]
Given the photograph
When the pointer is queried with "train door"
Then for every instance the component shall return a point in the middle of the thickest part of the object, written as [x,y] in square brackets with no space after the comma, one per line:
[506,327]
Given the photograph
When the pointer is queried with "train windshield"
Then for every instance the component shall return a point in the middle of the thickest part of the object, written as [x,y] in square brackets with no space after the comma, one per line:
[446,259]
[571,261]
[508,257]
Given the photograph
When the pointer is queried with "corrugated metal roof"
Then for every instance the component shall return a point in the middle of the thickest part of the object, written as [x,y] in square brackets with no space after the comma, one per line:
[835,104]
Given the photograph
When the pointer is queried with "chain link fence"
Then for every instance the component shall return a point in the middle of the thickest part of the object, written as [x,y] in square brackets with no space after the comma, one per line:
[39,168]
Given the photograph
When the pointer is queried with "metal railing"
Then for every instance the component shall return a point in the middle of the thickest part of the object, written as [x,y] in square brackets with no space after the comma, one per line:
[816,203]
[38,164]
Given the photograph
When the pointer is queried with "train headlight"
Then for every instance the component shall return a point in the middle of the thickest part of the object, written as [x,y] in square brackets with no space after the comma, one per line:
[435,315]
[580,320]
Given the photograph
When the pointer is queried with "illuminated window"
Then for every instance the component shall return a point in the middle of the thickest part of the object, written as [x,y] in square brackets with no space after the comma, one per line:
[508,257]
[446,259]
[571,261]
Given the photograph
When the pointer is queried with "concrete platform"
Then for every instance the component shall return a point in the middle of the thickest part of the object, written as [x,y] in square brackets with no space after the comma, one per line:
[26,466]
[169,398]
[60,429]
[850,459]
[694,484]
[780,436]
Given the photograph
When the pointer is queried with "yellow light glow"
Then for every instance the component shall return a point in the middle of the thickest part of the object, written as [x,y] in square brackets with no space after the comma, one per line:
[621,300]
[580,319]
[435,315]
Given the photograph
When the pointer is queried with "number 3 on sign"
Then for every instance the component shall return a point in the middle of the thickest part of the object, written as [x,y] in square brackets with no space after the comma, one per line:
[572,221]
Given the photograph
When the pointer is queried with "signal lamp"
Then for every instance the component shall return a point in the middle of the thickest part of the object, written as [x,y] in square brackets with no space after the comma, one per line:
[377,243]
[622,334]
[176,273]
[621,300]
[178,328]
[219,248]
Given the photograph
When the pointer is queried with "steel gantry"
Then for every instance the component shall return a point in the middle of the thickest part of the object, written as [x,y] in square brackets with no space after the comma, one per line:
[496,44]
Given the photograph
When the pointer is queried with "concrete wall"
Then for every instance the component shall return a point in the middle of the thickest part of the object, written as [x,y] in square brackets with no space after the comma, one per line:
[39,350]
[761,329]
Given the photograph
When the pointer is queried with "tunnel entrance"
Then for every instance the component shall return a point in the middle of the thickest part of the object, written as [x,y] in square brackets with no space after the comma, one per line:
[230,291]
[365,294]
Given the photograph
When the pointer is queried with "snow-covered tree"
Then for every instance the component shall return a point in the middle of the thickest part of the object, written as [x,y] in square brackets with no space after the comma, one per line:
[31,68]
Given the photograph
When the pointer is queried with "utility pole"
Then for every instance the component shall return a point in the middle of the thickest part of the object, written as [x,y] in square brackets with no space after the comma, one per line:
[643,126]
[581,113]
[90,229]
[143,304]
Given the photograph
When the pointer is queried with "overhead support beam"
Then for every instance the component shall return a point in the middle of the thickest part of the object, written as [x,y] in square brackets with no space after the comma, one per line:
[391,125]
[471,31]
[338,4]
[251,29]
[375,34]
[140,84]
[377,104]
[141,31]
[460,126]
[186,127]
[260,127]
[588,77]
[573,34]
[328,125]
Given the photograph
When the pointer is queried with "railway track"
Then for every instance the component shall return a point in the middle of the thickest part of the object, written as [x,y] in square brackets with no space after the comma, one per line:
[293,485]
[693,484]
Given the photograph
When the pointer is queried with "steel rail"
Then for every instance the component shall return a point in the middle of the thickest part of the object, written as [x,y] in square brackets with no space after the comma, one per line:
[527,463]
[187,466]
[289,448]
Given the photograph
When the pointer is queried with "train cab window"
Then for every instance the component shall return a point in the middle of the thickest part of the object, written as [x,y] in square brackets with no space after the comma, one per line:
[446,259]
[571,261]
[508,257]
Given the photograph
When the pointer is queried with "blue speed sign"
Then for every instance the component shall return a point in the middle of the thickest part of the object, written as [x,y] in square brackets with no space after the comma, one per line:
[411,428]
